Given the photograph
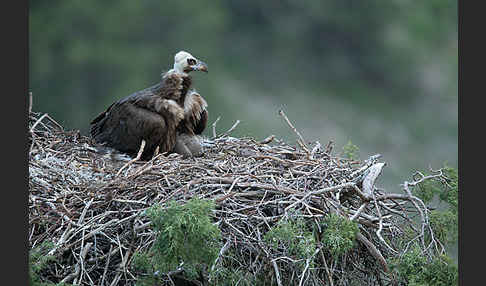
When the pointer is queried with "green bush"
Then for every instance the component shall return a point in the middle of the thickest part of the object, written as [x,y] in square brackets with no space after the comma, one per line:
[427,190]
[339,234]
[224,276]
[350,150]
[446,189]
[185,234]
[293,236]
[38,261]
[415,269]
[443,222]
[450,194]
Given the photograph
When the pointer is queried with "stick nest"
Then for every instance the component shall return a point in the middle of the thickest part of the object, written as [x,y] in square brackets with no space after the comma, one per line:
[90,206]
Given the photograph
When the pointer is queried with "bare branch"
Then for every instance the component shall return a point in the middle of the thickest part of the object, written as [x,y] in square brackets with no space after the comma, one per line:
[214,126]
[139,155]
[96,217]
[301,140]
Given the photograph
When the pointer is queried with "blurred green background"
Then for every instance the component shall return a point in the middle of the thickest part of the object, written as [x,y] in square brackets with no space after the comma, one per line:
[382,74]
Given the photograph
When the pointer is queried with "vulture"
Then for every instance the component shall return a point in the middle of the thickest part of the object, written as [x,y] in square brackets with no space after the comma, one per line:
[167,116]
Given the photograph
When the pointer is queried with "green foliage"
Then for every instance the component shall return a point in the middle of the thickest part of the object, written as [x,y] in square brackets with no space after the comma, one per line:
[414,268]
[224,276]
[185,234]
[427,190]
[350,150]
[339,234]
[450,195]
[443,222]
[447,190]
[293,235]
[142,262]
[38,261]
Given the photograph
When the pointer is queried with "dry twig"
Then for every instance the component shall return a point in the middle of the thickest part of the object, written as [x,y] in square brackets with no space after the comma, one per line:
[301,140]
[79,201]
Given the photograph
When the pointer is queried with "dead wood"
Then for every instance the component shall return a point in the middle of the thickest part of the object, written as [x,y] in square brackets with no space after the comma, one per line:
[79,201]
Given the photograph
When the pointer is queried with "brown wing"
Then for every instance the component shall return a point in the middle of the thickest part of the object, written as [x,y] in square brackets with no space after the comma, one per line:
[195,114]
[140,116]
[201,124]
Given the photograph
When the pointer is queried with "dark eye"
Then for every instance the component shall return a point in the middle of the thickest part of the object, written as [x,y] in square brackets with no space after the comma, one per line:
[191,62]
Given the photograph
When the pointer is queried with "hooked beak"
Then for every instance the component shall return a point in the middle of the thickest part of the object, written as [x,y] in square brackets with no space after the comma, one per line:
[200,66]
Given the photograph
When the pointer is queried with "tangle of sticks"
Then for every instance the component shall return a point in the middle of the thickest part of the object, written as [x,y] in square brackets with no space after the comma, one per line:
[89,206]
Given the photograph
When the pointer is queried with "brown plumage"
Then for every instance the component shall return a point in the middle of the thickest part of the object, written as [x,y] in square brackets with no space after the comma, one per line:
[193,124]
[158,114]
